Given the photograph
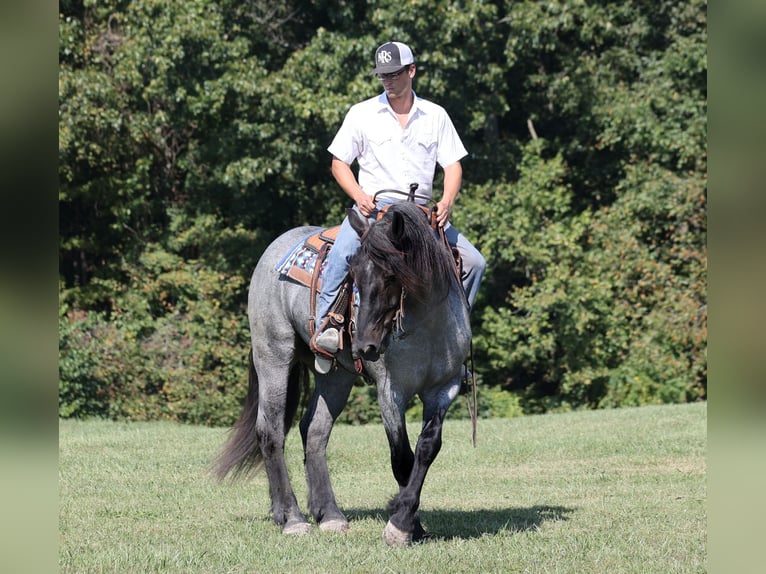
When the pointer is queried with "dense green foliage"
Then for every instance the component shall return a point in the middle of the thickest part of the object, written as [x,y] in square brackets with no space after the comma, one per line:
[191,134]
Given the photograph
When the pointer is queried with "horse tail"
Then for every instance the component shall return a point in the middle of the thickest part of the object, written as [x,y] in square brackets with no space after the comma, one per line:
[241,455]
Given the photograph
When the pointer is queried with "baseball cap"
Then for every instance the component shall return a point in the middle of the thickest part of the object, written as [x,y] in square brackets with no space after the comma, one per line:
[392,56]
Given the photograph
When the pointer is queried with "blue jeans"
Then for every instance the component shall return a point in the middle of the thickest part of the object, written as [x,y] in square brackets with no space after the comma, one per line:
[347,243]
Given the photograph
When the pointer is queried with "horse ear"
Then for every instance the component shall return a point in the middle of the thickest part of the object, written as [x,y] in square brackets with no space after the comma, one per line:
[358,223]
[397,226]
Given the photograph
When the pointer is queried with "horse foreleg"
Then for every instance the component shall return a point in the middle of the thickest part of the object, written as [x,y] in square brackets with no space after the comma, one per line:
[404,522]
[327,403]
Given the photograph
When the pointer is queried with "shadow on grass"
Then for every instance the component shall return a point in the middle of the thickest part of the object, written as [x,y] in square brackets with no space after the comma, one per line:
[462,524]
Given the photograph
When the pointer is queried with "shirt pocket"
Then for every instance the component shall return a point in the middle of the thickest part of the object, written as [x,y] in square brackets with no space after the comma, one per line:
[379,141]
[426,146]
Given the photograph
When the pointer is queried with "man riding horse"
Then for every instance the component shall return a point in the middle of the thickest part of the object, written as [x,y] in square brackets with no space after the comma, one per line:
[412,326]
[397,138]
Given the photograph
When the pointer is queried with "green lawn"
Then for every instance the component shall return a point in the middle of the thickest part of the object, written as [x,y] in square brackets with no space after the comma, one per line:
[598,491]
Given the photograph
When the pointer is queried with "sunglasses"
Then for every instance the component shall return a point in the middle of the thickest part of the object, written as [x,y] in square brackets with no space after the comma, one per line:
[393,75]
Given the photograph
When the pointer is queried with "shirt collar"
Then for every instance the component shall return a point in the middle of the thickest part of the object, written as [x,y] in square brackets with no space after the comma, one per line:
[384,105]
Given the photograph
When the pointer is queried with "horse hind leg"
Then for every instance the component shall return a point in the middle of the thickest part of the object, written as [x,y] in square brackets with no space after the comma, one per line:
[284,506]
[272,426]
[403,525]
[329,398]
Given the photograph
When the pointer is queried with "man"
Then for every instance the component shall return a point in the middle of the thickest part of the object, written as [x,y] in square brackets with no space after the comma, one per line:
[397,139]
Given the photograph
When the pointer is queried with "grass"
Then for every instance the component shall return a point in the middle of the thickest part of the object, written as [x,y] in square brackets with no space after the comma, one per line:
[598,491]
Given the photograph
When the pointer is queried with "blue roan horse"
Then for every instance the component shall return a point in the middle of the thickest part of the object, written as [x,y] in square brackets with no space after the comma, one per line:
[413,334]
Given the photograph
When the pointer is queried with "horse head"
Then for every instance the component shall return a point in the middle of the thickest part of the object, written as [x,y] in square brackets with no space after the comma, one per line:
[399,258]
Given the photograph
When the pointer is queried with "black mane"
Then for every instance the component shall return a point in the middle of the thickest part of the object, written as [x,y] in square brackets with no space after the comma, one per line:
[410,252]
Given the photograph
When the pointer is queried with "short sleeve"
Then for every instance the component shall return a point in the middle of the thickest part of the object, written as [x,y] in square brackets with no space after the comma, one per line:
[451,148]
[346,145]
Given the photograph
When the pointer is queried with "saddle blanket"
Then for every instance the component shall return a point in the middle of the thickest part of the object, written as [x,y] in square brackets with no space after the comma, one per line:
[299,263]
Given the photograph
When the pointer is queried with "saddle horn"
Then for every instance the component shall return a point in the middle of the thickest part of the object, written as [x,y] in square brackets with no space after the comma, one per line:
[413,189]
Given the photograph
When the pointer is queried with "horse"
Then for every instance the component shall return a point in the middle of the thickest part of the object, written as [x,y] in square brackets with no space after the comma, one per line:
[412,335]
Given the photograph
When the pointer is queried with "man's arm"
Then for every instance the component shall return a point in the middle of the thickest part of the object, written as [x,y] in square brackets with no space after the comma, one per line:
[342,173]
[453,178]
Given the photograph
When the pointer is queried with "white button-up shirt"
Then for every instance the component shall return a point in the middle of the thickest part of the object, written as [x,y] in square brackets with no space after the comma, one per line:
[392,157]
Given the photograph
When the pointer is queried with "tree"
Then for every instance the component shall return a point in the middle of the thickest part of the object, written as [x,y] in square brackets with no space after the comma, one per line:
[192,134]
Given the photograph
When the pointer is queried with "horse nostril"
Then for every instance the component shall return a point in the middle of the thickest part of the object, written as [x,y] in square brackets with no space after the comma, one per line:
[370,352]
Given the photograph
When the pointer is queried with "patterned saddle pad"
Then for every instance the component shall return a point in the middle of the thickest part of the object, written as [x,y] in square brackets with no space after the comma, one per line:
[301,261]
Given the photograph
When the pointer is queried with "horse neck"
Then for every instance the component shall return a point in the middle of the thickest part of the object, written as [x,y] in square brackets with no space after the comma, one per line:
[438,312]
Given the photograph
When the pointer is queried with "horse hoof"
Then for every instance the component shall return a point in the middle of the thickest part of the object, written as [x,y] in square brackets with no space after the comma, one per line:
[297,529]
[395,537]
[339,526]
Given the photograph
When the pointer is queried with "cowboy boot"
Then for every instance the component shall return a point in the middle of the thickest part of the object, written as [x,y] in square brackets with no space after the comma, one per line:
[327,340]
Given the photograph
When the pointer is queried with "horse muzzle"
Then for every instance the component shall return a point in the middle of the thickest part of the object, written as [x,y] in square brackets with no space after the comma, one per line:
[368,352]
[369,349]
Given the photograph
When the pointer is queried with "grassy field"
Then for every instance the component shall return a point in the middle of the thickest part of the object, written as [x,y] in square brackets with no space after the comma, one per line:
[600,491]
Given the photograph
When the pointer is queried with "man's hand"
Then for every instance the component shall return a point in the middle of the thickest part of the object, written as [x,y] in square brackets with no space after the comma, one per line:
[365,203]
[453,176]
[443,211]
